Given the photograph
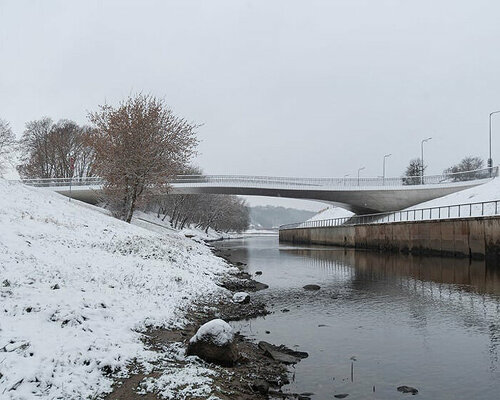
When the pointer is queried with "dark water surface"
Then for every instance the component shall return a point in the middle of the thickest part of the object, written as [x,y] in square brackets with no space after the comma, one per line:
[430,323]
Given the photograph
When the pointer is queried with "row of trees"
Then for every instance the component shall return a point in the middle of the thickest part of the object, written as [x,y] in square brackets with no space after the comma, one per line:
[468,168]
[136,148]
[219,212]
[56,150]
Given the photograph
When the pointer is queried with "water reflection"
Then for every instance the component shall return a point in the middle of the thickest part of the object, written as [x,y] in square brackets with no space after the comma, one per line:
[468,289]
[369,266]
[431,322]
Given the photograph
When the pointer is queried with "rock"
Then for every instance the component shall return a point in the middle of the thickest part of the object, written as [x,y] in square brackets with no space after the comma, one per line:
[258,272]
[312,287]
[241,297]
[282,353]
[285,310]
[341,395]
[55,287]
[214,342]
[6,283]
[260,386]
[244,284]
[407,389]
[268,332]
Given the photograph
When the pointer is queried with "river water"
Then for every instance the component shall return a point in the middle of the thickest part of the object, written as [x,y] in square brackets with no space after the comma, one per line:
[379,321]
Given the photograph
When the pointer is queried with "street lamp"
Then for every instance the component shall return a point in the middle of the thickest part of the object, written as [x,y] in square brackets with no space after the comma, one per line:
[359,170]
[490,160]
[422,159]
[383,168]
[345,176]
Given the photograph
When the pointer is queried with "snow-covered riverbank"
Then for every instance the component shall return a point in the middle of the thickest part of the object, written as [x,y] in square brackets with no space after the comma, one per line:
[465,203]
[77,287]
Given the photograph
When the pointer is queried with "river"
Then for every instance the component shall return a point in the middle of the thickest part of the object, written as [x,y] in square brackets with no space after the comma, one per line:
[379,321]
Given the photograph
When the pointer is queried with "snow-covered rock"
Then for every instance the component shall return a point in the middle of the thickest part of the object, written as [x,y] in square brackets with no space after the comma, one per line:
[241,297]
[217,331]
[214,342]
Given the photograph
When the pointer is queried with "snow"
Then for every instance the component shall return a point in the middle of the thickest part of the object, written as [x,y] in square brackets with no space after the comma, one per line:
[78,287]
[149,220]
[454,205]
[331,213]
[486,192]
[216,331]
[240,297]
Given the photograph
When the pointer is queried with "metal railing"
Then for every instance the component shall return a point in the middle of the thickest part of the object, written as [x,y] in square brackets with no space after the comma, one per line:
[289,182]
[469,210]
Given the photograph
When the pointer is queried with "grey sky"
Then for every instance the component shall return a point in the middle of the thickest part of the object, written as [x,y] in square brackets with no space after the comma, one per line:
[294,88]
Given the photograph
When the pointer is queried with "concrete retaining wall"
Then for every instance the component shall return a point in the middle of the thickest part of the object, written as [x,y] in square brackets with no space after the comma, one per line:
[469,237]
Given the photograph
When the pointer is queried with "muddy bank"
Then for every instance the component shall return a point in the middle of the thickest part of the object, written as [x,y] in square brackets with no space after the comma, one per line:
[260,372]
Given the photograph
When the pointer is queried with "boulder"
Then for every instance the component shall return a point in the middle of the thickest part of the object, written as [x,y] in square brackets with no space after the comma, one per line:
[311,287]
[241,297]
[407,389]
[214,342]
[258,272]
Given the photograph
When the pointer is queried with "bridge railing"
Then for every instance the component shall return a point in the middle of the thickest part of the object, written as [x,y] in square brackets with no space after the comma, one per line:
[336,182]
[478,209]
[56,182]
[288,182]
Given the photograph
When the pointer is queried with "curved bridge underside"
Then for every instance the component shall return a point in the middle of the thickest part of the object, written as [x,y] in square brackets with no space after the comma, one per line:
[359,199]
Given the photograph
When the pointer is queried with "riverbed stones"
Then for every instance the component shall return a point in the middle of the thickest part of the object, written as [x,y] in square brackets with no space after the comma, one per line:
[311,287]
[407,389]
[241,297]
[214,342]
[260,386]
[282,353]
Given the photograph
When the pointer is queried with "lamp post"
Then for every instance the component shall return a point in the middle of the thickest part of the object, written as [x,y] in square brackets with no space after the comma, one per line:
[359,170]
[345,176]
[422,159]
[383,168]
[490,160]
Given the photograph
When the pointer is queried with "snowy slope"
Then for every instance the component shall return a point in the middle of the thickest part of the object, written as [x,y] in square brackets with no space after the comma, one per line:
[486,192]
[331,213]
[76,286]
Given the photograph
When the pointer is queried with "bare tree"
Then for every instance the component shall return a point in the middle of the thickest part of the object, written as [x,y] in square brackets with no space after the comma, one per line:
[139,146]
[413,173]
[58,150]
[7,141]
[467,169]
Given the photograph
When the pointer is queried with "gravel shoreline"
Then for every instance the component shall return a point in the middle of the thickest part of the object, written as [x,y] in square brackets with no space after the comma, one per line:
[255,376]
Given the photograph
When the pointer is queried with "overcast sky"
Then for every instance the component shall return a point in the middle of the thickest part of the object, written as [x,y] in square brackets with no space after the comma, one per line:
[292,88]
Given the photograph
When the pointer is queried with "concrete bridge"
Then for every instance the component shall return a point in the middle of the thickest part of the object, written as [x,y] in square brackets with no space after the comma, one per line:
[363,195]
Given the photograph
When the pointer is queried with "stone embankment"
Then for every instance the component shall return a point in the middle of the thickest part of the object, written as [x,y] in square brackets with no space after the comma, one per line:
[477,238]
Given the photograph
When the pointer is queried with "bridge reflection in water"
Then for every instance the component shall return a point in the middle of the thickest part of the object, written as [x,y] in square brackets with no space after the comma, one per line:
[470,291]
